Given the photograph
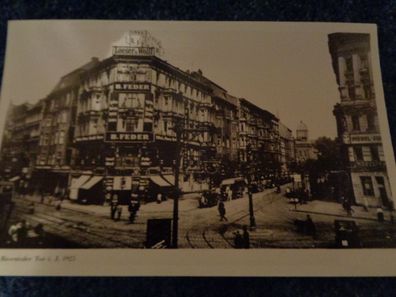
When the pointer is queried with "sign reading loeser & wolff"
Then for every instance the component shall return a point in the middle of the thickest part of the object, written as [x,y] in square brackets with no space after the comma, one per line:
[133,51]
[129,137]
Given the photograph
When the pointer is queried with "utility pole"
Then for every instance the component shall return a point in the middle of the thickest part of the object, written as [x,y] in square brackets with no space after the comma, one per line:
[249,178]
[179,129]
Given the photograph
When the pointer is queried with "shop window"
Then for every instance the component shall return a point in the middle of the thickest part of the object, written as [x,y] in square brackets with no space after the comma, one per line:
[130,125]
[358,153]
[355,123]
[351,91]
[364,61]
[165,126]
[349,64]
[374,153]
[367,91]
[367,185]
[370,122]
[61,137]
[148,127]
[380,180]
[112,126]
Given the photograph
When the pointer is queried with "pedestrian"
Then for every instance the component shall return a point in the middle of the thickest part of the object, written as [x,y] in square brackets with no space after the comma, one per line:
[380,214]
[348,208]
[229,194]
[246,238]
[39,231]
[113,206]
[203,200]
[42,194]
[133,208]
[22,233]
[222,211]
[238,240]
[306,195]
[310,227]
[58,205]
[159,197]
[119,213]
[13,233]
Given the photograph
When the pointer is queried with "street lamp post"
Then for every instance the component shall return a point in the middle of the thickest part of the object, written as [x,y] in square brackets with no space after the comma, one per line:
[251,211]
[179,130]
[250,195]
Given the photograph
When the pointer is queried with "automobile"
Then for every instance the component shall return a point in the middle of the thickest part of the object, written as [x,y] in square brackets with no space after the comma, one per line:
[208,199]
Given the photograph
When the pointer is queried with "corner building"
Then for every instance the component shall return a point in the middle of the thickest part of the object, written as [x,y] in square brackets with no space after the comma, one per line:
[127,109]
[109,127]
[357,119]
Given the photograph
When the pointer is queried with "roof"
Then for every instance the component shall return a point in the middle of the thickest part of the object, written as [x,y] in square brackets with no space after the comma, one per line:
[73,78]
[258,109]
[302,126]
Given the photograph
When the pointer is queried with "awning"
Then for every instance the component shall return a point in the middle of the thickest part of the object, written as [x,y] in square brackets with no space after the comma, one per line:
[91,182]
[230,181]
[15,178]
[170,178]
[76,183]
[158,180]
[122,183]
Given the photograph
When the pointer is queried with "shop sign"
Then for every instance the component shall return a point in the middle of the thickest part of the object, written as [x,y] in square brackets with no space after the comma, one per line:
[362,138]
[131,87]
[129,137]
[133,51]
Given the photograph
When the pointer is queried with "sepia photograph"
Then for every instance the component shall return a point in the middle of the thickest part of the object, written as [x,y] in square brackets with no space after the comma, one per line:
[161,135]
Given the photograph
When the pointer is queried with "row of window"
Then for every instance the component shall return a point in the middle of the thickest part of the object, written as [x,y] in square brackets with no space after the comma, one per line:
[367,184]
[361,123]
[367,153]
[57,138]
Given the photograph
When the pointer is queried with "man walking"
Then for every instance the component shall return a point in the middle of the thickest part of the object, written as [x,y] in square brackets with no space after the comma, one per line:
[222,211]
[246,238]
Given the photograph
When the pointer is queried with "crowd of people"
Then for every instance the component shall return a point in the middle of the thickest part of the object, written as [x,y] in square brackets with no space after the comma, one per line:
[22,234]
[242,239]
[116,209]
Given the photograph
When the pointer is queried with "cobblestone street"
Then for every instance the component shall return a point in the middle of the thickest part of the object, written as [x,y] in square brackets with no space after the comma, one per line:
[90,225]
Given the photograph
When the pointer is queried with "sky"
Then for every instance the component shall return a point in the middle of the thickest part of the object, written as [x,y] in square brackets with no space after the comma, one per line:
[284,69]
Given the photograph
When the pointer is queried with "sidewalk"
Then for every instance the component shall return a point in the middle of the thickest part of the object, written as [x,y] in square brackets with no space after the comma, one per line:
[334,210]
[187,202]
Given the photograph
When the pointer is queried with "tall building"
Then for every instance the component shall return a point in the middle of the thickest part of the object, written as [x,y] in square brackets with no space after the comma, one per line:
[20,145]
[287,150]
[55,155]
[357,119]
[304,149]
[111,124]
[259,138]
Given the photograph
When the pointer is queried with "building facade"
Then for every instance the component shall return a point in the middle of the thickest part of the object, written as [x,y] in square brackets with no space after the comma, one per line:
[20,146]
[286,148]
[357,119]
[113,124]
[304,149]
[55,154]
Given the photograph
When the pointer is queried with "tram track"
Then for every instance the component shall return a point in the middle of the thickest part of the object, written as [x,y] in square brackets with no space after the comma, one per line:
[77,230]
